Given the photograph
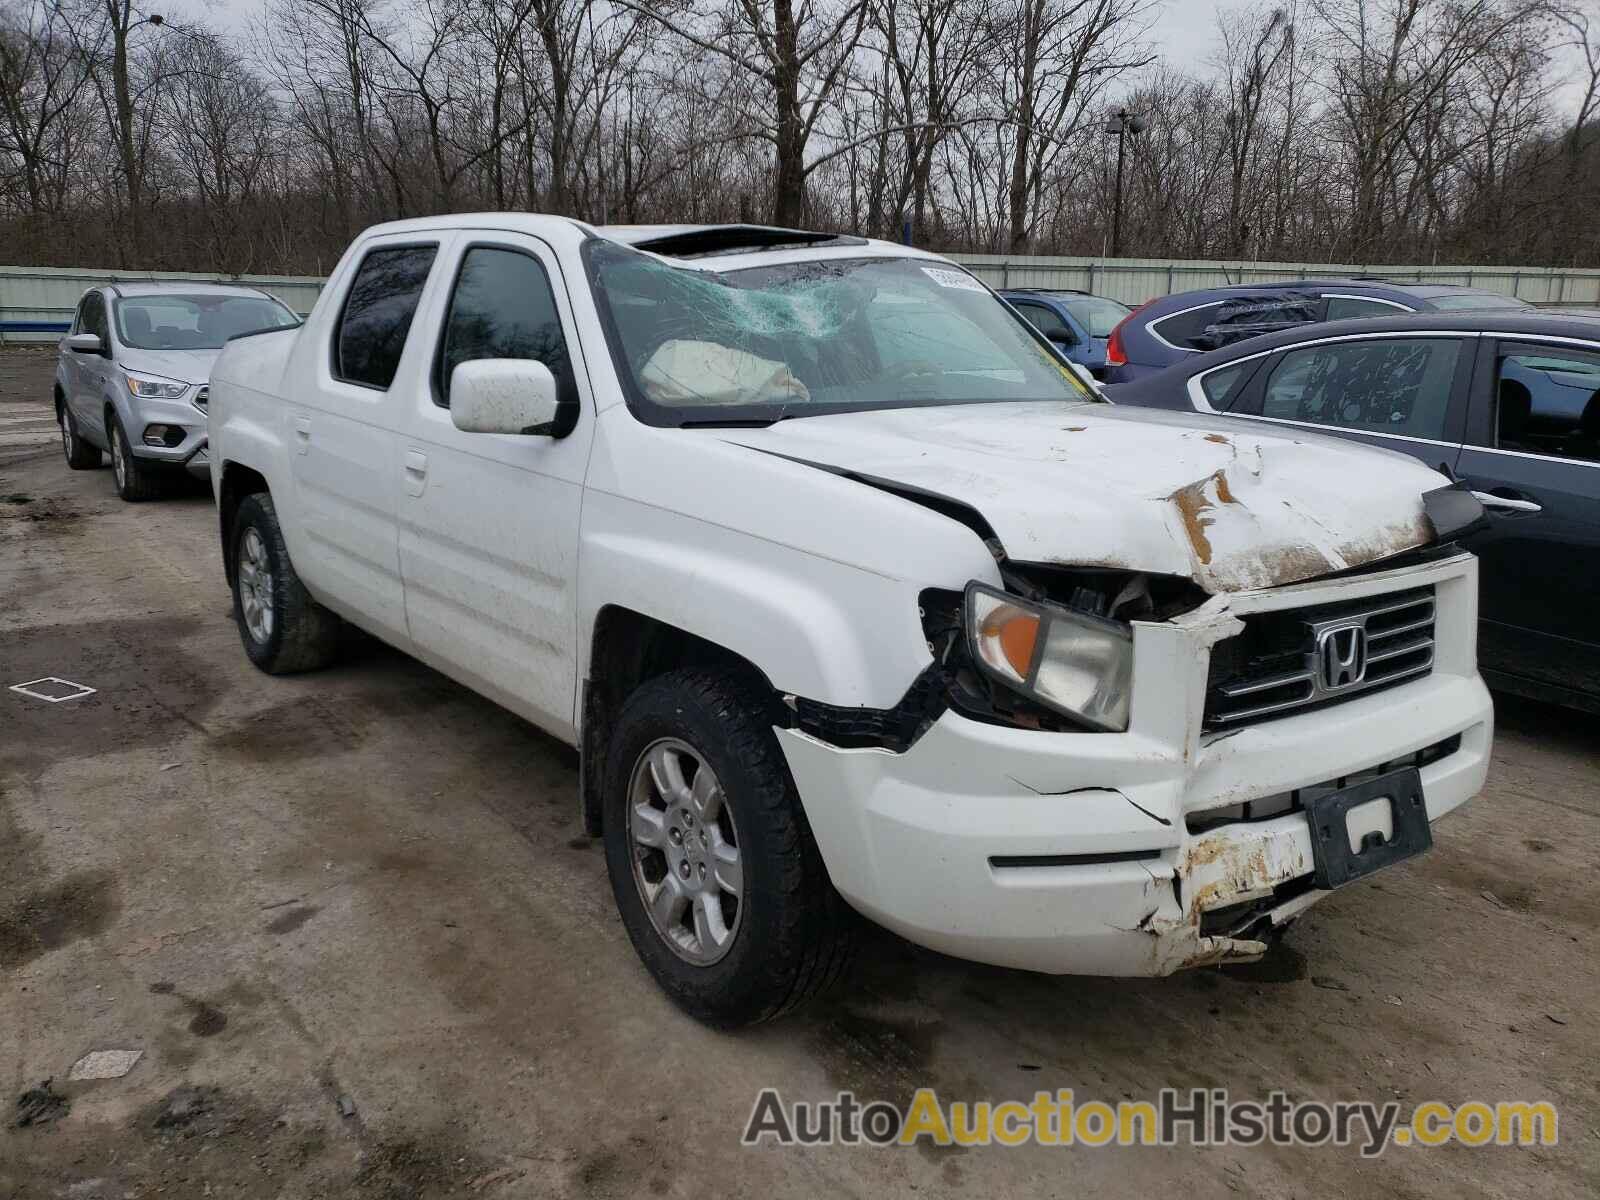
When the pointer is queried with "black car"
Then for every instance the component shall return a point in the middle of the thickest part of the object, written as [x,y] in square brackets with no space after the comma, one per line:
[1506,402]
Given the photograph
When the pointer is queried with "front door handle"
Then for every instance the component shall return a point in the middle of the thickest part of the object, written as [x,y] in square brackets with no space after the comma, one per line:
[416,465]
[1511,503]
[302,434]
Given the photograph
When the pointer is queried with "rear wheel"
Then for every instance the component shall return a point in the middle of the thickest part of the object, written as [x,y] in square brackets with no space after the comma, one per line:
[80,455]
[719,882]
[136,480]
[283,629]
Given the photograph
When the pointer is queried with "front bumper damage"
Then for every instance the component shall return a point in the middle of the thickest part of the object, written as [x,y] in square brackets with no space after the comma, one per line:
[1098,853]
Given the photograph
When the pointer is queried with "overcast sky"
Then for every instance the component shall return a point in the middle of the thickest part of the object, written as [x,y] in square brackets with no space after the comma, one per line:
[1182,30]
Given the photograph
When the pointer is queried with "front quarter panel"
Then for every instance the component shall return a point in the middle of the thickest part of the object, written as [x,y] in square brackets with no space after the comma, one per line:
[812,577]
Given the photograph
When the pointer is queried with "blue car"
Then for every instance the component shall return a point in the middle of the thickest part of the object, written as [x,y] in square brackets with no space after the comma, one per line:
[1077,323]
[1170,329]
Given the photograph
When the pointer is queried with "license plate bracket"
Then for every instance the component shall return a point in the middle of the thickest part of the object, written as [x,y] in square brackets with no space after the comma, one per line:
[1336,863]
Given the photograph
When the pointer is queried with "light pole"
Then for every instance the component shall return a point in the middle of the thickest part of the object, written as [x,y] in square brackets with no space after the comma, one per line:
[1121,123]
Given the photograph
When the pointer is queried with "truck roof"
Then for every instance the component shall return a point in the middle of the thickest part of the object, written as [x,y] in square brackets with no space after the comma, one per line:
[730,246]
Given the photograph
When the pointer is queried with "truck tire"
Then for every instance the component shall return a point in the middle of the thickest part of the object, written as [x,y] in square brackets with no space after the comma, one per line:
[283,629]
[136,480]
[716,874]
[81,456]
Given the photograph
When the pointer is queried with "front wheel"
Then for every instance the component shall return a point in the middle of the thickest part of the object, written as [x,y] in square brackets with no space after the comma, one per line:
[283,629]
[136,480]
[716,874]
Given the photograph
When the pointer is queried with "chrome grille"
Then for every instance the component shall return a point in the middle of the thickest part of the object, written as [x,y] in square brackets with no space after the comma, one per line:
[1287,661]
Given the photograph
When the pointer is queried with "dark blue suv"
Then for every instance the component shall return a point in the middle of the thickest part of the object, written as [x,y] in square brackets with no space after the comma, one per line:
[1078,324]
[1168,330]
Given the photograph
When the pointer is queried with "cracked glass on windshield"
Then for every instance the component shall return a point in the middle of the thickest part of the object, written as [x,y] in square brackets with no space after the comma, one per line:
[805,338]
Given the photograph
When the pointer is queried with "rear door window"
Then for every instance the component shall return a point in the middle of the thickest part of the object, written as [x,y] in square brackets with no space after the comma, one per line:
[1548,402]
[377,314]
[1395,386]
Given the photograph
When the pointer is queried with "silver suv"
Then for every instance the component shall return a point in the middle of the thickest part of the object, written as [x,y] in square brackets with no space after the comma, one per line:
[131,375]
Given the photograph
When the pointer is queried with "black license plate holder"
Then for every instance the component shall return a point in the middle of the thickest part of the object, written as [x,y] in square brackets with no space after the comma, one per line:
[1328,816]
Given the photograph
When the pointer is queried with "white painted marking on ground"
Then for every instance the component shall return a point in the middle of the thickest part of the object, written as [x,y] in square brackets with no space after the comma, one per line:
[58,689]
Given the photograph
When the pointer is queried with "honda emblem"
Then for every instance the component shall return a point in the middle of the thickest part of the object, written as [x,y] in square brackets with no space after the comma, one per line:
[1342,656]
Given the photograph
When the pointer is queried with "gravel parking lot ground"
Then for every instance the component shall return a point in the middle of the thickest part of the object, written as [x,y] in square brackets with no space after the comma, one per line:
[352,923]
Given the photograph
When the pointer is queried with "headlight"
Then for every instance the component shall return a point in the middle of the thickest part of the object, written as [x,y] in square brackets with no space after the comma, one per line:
[154,387]
[1070,661]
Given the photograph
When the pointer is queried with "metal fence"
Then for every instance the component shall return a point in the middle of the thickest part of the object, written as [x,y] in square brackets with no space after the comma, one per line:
[37,303]
[1135,280]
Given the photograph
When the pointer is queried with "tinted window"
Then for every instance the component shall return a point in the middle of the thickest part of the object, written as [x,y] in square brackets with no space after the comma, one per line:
[1222,386]
[1340,307]
[1549,402]
[1389,386]
[377,313]
[1043,319]
[1097,313]
[502,307]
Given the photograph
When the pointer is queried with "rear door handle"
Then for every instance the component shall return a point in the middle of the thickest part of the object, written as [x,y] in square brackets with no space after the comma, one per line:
[1511,503]
[416,466]
[302,434]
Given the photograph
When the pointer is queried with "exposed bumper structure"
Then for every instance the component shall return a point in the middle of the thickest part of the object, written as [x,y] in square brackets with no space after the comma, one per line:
[1101,853]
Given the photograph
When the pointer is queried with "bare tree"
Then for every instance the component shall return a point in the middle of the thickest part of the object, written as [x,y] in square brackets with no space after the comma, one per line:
[1056,58]
[41,82]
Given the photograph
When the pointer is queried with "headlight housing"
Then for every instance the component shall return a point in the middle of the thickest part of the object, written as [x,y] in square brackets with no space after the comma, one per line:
[1075,663]
[154,387]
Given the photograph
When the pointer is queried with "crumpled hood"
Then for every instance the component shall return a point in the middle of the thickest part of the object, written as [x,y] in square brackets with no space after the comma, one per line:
[188,366]
[1218,502]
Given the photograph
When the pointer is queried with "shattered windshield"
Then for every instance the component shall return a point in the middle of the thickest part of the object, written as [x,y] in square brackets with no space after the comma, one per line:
[800,339]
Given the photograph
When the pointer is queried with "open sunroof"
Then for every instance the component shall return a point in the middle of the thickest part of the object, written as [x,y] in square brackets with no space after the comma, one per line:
[727,239]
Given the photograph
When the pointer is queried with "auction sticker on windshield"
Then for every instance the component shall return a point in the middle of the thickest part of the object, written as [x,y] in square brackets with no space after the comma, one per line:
[954,279]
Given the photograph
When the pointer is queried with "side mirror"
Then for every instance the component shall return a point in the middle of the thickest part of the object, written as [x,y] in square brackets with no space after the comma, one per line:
[1062,337]
[84,343]
[505,395]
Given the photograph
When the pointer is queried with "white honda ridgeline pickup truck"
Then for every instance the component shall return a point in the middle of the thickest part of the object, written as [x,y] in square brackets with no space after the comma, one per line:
[852,596]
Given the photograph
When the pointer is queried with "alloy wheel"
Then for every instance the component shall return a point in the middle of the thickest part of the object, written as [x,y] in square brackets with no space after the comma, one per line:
[119,457]
[685,851]
[254,570]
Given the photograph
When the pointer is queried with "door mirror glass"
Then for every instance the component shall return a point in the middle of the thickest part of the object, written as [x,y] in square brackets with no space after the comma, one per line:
[84,343]
[1062,336]
[503,395]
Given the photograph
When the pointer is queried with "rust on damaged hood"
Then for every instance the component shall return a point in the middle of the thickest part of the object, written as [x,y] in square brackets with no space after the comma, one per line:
[1233,508]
